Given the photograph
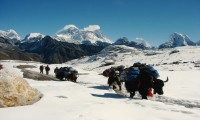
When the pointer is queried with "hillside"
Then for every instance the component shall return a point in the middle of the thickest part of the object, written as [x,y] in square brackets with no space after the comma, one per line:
[186,58]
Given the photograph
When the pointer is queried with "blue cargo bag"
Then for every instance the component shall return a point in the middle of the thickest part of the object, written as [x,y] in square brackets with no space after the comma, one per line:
[153,71]
[133,73]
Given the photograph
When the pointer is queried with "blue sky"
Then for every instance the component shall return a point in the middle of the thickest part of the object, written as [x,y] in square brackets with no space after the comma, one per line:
[152,20]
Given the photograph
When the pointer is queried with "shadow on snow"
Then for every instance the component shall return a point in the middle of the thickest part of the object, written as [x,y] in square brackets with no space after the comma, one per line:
[109,95]
[100,87]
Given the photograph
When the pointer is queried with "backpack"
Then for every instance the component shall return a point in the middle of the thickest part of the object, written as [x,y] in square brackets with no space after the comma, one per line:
[133,73]
[152,70]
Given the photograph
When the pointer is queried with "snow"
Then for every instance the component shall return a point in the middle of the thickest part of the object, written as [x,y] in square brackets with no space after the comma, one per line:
[161,59]
[91,99]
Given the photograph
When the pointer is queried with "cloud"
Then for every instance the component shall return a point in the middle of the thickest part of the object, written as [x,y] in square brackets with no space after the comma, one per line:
[139,39]
[92,28]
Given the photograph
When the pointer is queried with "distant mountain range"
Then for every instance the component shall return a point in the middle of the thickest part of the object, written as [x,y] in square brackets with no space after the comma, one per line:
[91,35]
[70,43]
[70,34]
[175,40]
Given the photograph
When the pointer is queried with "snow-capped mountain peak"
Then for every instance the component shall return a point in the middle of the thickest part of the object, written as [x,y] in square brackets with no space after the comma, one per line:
[11,34]
[141,41]
[68,29]
[177,39]
[33,37]
[87,35]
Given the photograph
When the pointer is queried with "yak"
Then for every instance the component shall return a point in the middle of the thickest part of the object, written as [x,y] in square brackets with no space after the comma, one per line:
[143,83]
[66,73]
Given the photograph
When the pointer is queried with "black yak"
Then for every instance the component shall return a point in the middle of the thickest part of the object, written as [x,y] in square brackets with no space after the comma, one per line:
[143,83]
[66,73]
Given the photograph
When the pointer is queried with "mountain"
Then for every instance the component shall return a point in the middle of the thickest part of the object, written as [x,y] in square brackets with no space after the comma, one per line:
[53,51]
[122,41]
[33,37]
[139,43]
[198,42]
[88,35]
[177,39]
[6,42]
[11,34]
[9,51]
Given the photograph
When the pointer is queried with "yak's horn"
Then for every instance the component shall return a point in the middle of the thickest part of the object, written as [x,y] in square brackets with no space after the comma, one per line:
[166,80]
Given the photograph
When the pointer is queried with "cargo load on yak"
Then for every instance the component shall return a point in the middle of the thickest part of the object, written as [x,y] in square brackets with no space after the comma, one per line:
[152,71]
[134,71]
[110,71]
[106,72]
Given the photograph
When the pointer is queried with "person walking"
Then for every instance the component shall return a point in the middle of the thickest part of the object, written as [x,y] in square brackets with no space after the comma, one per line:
[47,68]
[41,69]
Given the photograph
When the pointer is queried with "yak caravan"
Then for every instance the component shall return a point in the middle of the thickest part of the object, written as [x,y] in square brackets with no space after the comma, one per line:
[139,77]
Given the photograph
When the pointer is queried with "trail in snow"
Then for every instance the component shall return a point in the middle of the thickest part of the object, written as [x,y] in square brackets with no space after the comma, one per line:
[123,94]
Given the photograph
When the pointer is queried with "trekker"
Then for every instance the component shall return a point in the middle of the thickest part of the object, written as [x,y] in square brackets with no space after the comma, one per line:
[47,69]
[41,69]
[113,80]
[1,66]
